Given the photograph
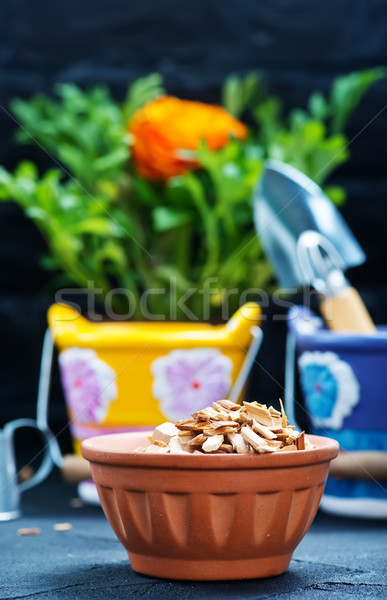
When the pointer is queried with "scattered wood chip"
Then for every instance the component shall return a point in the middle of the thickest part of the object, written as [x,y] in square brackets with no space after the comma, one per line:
[62,526]
[28,531]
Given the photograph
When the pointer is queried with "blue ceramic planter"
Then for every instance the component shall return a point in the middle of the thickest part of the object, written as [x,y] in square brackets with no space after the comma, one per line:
[343,381]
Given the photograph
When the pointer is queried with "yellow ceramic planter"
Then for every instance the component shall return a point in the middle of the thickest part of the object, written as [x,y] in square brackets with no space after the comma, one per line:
[121,376]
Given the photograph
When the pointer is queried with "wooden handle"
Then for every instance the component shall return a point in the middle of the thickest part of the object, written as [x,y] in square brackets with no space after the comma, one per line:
[75,469]
[346,312]
[369,464]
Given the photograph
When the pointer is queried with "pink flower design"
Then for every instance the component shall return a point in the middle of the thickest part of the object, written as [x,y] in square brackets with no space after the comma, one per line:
[189,380]
[89,384]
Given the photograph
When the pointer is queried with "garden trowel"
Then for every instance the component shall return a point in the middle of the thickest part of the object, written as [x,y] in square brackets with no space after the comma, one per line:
[294,218]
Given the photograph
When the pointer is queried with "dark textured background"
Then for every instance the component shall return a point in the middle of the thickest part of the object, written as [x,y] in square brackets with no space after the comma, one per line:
[299,45]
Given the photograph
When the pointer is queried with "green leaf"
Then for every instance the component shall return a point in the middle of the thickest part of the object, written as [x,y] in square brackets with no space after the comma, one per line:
[112,159]
[165,218]
[49,262]
[318,106]
[146,192]
[239,94]
[113,252]
[37,214]
[5,184]
[347,92]
[169,272]
[232,95]
[140,92]
[337,194]
[267,114]
[97,226]
[330,153]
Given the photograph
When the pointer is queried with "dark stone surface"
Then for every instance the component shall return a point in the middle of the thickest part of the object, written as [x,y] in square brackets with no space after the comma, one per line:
[338,557]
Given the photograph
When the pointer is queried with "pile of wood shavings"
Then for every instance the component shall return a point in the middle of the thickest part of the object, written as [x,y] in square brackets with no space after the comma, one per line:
[227,428]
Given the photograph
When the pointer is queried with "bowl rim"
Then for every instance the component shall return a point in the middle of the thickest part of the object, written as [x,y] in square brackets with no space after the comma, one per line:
[96,450]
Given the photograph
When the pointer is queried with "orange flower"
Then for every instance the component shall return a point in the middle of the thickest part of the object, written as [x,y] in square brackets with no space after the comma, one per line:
[167,131]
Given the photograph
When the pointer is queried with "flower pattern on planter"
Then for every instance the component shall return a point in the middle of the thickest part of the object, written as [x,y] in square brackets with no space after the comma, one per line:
[89,384]
[330,387]
[189,380]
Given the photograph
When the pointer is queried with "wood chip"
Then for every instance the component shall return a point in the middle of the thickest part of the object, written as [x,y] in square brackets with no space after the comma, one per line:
[258,443]
[277,423]
[192,425]
[300,441]
[289,448]
[198,440]
[176,447]
[186,435]
[283,415]
[264,431]
[62,526]
[155,449]
[226,448]
[164,432]
[160,444]
[205,414]
[28,531]
[220,424]
[259,413]
[238,443]
[219,409]
[221,430]
[244,418]
[231,406]
[213,443]
[235,415]
[274,443]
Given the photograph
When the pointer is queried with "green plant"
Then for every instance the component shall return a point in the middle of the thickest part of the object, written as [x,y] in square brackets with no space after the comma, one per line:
[312,140]
[189,235]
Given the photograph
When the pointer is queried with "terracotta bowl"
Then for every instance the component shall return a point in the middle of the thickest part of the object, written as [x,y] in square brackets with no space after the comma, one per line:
[208,517]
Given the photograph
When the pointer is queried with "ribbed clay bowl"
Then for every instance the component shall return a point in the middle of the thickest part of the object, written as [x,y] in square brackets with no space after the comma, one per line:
[208,517]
